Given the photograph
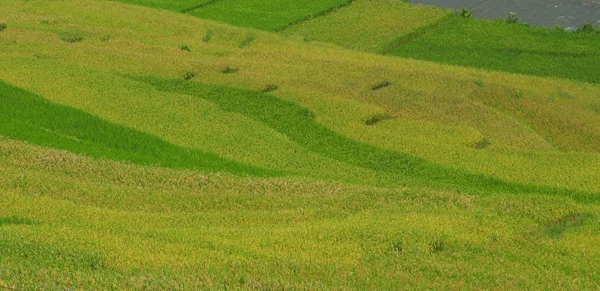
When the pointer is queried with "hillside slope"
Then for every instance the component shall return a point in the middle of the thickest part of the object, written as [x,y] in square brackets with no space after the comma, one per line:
[372,26]
[514,48]
[398,28]
[428,103]
[149,149]
[73,222]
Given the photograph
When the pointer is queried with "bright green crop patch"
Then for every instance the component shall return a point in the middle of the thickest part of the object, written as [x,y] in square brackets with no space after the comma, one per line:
[265,14]
[298,124]
[368,25]
[28,117]
[512,48]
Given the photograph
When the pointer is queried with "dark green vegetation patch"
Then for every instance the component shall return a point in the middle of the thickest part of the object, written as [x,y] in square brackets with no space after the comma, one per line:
[511,48]
[15,220]
[299,125]
[29,117]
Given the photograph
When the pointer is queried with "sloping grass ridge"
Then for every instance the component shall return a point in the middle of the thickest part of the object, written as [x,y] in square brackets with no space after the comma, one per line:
[299,125]
[29,117]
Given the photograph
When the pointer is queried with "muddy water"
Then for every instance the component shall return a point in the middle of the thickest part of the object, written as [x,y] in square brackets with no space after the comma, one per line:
[568,14]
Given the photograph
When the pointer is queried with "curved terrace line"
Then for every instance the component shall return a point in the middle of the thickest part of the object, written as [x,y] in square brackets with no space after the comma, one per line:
[300,126]
[199,6]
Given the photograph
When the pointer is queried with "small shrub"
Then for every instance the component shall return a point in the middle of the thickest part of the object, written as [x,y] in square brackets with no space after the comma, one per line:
[269,88]
[594,108]
[71,37]
[242,280]
[2,25]
[555,229]
[586,28]
[565,94]
[377,118]
[517,95]
[512,18]
[249,39]
[207,37]
[381,85]
[184,47]
[479,83]
[482,144]
[495,237]
[464,12]
[229,70]
[438,245]
[398,247]
[189,75]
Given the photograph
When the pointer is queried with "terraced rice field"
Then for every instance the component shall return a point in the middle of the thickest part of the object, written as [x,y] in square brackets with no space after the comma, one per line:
[145,148]
[265,14]
[179,5]
[376,26]
[511,48]
[77,222]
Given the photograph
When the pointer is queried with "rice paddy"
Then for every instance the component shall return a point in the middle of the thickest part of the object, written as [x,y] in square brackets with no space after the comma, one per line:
[376,25]
[265,14]
[511,48]
[31,118]
[153,149]
[179,5]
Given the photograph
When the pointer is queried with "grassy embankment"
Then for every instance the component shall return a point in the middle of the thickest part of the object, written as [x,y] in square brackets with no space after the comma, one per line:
[351,119]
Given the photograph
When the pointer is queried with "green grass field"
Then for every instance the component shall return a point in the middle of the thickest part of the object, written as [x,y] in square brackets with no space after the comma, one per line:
[265,14]
[150,149]
[510,48]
